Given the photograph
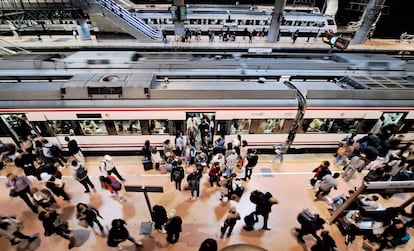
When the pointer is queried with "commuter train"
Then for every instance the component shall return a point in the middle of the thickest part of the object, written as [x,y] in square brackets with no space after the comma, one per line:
[238,20]
[111,112]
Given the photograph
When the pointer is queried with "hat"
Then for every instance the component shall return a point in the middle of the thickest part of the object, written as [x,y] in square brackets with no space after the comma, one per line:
[107,158]
[45,177]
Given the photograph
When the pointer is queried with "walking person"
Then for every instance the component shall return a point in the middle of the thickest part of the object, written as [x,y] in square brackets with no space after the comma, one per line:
[173,227]
[177,174]
[111,184]
[328,182]
[252,160]
[74,150]
[52,153]
[10,228]
[107,167]
[44,198]
[231,163]
[295,36]
[21,186]
[214,174]
[54,223]
[160,218]
[280,150]
[357,163]
[119,233]
[80,173]
[310,223]
[55,185]
[230,221]
[88,215]
[193,180]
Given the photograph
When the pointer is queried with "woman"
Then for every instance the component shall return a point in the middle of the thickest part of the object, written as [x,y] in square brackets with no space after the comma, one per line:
[20,186]
[44,198]
[88,214]
[55,185]
[119,233]
[55,223]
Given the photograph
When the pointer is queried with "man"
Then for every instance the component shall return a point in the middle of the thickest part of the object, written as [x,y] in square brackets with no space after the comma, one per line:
[252,159]
[280,150]
[328,182]
[74,150]
[80,173]
[173,227]
[107,167]
[231,162]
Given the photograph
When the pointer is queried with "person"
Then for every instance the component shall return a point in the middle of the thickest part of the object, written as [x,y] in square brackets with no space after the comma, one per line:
[156,158]
[21,186]
[220,144]
[370,202]
[326,243]
[168,148]
[189,154]
[393,234]
[236,143]
[201,161]
[357,163]
[252,160]
[119,233]
[52,153]
[25,161]
[231,162]
[230,221]
[44,198]
[179,144]
[54,223]
[80,173]
[310,224]
[146,150]
[111,184]
[280,150]
[173,227]
[320,172]
[177,174]
[107,167]
[89,215]
[193,180]
[10,228]
[328,182]
[208,245]
[160,218]
[74,150]
[214,174]
[55,184]
[265,207]
[295,36]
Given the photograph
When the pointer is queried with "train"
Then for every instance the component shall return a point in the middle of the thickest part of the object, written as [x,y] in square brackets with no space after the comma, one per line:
[237,20]
[109,111]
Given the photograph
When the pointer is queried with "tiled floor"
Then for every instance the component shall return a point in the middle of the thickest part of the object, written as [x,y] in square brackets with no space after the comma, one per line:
[202,218]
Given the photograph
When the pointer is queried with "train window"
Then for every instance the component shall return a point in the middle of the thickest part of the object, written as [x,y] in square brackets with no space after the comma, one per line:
[331,22]
[200,125]
[18,125]
[63,127]
[222,127]
[343,125]
[93,127]
[42,128]
[127,127]
[158,126]
[407,126]
[3,131]
[366,126]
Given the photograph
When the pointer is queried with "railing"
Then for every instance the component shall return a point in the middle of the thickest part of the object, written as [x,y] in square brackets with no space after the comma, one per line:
[132,20]
[11,47]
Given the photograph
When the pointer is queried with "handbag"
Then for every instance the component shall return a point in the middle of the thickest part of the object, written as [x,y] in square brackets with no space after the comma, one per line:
[59,221]
[13,193]
[145,228]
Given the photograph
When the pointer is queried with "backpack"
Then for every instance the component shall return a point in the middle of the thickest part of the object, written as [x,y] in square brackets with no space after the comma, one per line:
[306,217]
[54,150]
[194,183]
[116,185]
[81,172]
[176,174]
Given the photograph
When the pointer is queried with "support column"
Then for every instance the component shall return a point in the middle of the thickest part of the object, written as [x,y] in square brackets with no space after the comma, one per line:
[83,30]
[370,16]
[178,24]
[273,33]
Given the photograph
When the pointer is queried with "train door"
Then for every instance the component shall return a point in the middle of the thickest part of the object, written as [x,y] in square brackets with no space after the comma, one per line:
[200,127]
[389,124]
[16,126]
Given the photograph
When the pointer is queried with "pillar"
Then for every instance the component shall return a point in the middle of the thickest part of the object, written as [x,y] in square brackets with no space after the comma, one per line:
[370,15]
[178,24]
[273,34]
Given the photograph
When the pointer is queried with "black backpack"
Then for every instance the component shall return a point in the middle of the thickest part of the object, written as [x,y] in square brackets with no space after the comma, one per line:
[81,172]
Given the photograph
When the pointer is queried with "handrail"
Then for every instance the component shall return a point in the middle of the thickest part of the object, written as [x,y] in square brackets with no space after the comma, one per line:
[18,48]
[131,19]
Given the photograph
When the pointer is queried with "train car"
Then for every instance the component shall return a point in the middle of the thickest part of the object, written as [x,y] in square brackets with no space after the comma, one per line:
[239,20]
[111,112]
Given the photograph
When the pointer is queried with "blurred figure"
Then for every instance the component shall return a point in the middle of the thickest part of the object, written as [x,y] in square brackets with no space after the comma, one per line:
[230,221]
[10,228]
[173,227]
[107,167]
[74,150]
[160,218]
[21,186]
[80,173]
[208,245]
[55,223]
[119,233]
[88,214]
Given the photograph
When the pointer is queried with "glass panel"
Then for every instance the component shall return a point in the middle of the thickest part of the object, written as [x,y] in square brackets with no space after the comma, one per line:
[222,127]
[407,126]
[315,125]
[240,126]
[128,127]
[93,127]
[158,126]
[18,124]
[366,126]
[3,131]
[61,127]
[43,128]
[344,125]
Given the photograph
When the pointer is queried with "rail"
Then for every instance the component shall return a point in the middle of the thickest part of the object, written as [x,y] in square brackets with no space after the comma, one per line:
[125,15]
[11,48]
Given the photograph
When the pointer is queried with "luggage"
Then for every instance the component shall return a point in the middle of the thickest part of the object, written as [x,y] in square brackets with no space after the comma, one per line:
[147,164]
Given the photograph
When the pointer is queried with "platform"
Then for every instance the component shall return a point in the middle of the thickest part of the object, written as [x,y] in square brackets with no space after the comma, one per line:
[71,43]
[202,218]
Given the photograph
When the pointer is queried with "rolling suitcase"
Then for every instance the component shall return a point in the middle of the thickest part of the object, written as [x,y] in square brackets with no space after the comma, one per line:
[147,164]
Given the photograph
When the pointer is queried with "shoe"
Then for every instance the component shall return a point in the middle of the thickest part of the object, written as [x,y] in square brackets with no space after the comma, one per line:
[87,191]
[138,244]
[266,228]
[71,242]
[33,238]
[297,229]
[61,167]
[14,242]
[122,179]
[244,179]
[119,247]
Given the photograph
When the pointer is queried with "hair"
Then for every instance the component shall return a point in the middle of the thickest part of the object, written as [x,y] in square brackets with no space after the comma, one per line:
[9,174]
[67,139]
[42,215]
[326,163]
[80,204]
[374,197]
[335,175]
[74,163]
[179,162]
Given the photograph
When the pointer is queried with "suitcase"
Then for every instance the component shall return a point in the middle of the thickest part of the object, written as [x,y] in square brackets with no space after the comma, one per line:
[147,164]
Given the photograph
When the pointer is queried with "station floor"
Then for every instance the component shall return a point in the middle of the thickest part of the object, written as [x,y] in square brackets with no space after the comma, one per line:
[202,218]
